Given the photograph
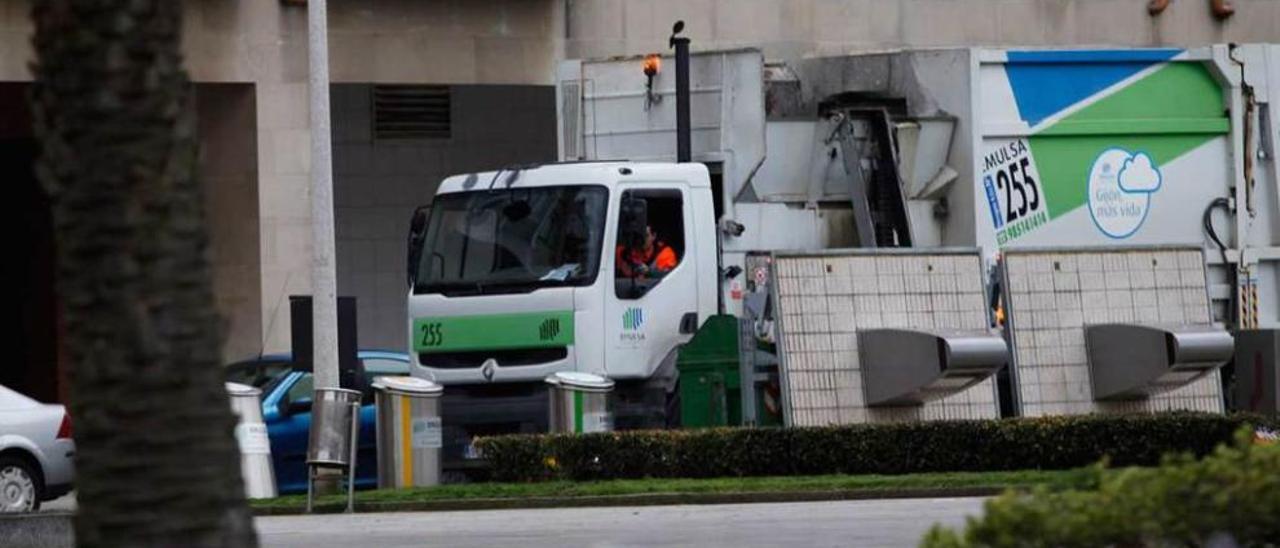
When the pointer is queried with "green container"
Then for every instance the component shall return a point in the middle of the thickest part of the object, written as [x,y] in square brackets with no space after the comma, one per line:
[710,385]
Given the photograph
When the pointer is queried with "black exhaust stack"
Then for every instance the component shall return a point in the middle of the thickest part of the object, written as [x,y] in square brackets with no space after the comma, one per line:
[681,44]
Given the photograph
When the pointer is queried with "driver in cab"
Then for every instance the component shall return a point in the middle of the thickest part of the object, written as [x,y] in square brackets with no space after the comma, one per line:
[651,259]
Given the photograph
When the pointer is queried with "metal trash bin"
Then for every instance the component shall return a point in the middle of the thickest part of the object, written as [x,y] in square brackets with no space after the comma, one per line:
[334,432]
[409,431]
[580,402]
[251,437]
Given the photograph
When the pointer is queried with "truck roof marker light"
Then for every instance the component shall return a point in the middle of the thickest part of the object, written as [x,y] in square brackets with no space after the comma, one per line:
[652,64]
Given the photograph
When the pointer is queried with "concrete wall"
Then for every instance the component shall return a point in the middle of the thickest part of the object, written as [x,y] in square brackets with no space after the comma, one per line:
[488,41]
[228,174]
[263,42]
[794,28]
[477,41]
[485,41]
[15,40]
[378,183]
[227,115]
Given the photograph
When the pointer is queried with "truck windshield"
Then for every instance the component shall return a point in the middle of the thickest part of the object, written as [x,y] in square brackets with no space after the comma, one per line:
[512,240]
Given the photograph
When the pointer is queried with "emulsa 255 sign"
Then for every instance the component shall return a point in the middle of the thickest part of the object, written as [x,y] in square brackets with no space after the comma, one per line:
[1013,192]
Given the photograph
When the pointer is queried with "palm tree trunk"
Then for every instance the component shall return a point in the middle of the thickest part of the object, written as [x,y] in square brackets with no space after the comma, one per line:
[156,461]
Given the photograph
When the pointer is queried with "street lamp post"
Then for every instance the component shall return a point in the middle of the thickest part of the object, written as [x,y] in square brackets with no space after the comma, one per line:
[324,305]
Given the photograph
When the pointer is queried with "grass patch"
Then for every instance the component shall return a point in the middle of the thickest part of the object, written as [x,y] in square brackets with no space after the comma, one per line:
[1051,479]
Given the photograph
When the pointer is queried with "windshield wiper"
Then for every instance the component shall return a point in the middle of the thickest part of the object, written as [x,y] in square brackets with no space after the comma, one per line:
[474,287]
[487,287]
[520,285]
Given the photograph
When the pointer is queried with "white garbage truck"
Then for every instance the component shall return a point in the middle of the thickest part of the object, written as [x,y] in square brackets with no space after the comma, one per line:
[515,273]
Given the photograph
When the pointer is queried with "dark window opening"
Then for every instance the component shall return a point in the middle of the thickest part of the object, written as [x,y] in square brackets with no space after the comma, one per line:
[651,240]
[717,191]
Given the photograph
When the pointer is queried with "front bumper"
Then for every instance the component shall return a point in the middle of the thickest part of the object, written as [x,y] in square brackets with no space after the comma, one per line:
[470,411]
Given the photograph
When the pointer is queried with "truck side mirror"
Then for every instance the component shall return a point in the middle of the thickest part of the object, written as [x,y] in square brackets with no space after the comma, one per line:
[633,220]
[417,232]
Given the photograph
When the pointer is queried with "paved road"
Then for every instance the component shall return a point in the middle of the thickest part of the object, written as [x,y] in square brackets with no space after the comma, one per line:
[852,523]
[65,503]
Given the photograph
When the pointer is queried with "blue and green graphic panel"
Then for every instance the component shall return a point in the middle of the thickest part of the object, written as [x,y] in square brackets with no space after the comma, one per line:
[1046,82]
[1104,126]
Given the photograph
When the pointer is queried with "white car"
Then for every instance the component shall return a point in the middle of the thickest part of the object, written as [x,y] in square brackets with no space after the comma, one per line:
[36,452]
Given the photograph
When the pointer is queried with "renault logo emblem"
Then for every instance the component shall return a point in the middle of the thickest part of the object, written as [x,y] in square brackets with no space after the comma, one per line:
[488,368]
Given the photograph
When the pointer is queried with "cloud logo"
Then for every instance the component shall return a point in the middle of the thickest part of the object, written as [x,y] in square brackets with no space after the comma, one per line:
[1139,174]
[1121,184]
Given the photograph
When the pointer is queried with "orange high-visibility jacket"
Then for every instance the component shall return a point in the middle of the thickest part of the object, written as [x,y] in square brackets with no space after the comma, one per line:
[660,259]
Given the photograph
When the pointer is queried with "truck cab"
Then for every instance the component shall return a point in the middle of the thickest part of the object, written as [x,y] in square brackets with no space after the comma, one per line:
[514,275]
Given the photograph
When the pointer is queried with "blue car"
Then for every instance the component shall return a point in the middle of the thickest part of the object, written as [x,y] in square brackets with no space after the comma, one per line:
[286,408]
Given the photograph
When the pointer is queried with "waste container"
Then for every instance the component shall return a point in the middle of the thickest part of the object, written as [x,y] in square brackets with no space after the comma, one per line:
[331,427]
[251,436]
[409,431]
[334,431]
[580,402]
[710,381]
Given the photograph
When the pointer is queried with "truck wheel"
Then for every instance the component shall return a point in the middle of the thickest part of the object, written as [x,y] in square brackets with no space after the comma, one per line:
[673,407]
[20,486]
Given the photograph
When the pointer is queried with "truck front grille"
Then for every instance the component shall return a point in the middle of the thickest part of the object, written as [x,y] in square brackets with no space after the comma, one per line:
[506,358]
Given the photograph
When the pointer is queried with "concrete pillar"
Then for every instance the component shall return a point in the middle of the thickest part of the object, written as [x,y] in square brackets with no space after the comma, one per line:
[284,204]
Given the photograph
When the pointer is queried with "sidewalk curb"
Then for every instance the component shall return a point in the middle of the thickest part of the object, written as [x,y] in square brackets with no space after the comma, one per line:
[44,529]
[644,499]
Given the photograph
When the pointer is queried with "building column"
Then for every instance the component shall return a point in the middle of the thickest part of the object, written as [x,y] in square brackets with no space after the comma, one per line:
[284,204]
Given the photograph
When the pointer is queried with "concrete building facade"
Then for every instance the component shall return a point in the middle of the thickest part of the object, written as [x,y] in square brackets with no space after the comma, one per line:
[248,61]
[795,28]
[491,65]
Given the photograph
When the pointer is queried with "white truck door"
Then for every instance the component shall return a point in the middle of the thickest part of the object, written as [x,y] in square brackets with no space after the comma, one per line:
[644,309]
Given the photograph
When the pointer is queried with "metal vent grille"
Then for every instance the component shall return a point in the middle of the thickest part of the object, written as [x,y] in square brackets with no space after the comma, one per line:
[411,112]
[570,108]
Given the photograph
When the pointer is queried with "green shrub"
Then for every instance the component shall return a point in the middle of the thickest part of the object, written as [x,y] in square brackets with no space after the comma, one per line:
[1233,493]
[519,457]
[948,446]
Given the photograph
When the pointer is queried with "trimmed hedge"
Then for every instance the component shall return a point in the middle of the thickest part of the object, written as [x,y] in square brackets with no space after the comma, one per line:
[946,446]
[1231,498]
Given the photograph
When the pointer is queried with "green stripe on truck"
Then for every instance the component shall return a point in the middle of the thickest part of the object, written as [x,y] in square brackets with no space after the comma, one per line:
[548,329]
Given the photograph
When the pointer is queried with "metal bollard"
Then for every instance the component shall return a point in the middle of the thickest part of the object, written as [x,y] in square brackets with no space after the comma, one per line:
[251,436]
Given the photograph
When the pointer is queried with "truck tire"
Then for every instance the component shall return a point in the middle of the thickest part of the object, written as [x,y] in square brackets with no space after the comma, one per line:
[673,407]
